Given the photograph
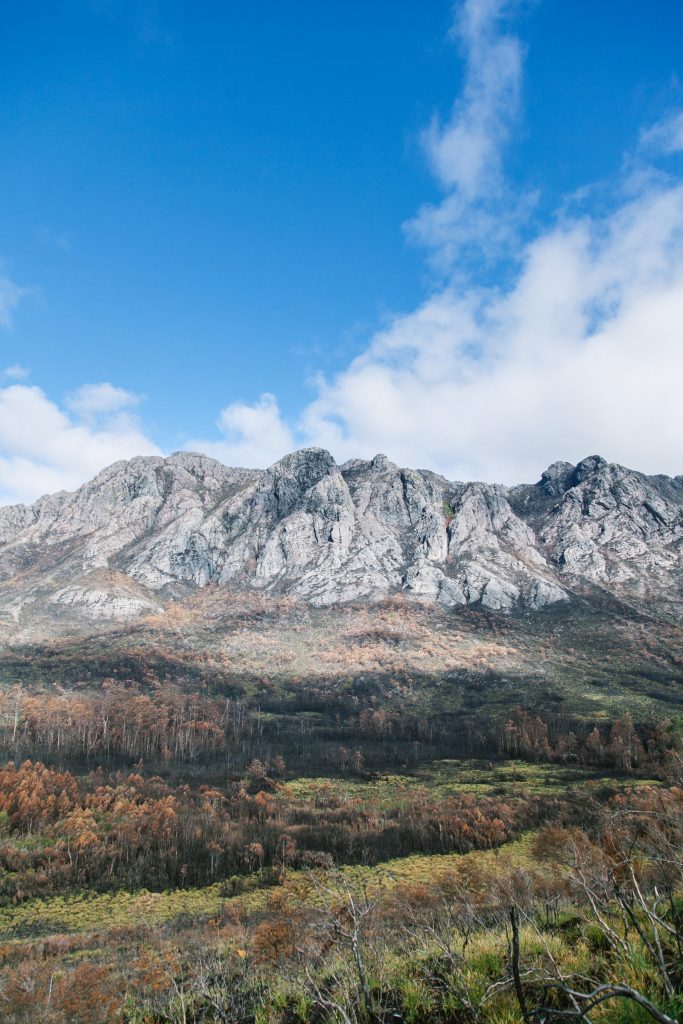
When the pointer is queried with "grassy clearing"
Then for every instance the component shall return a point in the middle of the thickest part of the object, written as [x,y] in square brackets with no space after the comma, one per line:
[456,776]
[85,912]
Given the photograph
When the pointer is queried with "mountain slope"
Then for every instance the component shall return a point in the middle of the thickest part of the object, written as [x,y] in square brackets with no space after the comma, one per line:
[151,530]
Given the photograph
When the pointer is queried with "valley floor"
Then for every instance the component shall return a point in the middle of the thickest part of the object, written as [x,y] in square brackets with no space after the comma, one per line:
[276,941]
[274,815]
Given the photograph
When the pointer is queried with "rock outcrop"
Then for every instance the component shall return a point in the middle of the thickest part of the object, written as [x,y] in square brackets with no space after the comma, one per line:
[147,531]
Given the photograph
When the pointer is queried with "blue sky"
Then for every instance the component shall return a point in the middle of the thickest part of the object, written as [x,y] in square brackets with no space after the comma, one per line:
[453,233]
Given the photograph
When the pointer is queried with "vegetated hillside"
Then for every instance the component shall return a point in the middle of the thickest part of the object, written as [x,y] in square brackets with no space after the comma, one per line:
[347,744]
[147,532]
[397,681]
[464,891]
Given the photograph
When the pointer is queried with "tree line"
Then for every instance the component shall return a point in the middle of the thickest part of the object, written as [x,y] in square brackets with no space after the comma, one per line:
[119,724]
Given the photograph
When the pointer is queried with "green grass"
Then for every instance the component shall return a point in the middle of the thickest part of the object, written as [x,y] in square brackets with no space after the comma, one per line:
[452,777]
[96,912]
[88,911]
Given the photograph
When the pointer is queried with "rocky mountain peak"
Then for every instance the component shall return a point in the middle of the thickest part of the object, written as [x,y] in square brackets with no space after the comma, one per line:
[555,480]
[146,531]
[306,464]
[587,468]
[561,476]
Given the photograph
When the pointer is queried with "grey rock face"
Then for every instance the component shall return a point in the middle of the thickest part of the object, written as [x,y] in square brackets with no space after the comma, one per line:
[613,526]
[604,525]
[430,582]
[555,480]
[149,530]
[104,602]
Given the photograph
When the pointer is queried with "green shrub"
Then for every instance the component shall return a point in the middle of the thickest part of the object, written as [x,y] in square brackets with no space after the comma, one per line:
[597,939]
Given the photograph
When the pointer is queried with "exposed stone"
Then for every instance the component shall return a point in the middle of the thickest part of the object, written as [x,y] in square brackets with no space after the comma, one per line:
[555,480]
[429,582]
[100,603]
[327,534]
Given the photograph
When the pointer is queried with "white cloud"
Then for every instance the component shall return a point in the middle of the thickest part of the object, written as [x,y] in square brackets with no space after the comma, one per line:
[466,152]
[252,435]
[10,296]
[43,448]
[15,372]
[92,401]
[583,353]
[666,136]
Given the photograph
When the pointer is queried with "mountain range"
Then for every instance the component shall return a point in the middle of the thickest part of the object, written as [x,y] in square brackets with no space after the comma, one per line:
[147,532]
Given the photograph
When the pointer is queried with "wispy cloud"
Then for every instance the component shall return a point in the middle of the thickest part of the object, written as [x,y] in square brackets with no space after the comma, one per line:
[466,151]
[150,22]
[666,136]
[15,372]
[56,239]
[11,295]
